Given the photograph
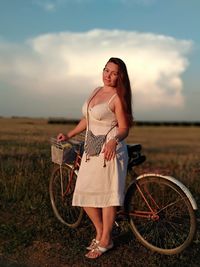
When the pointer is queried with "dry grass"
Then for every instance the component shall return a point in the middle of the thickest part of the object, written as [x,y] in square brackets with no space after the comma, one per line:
[29,233]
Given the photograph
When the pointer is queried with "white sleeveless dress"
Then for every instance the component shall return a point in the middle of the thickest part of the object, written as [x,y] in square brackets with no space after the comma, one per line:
[99,186]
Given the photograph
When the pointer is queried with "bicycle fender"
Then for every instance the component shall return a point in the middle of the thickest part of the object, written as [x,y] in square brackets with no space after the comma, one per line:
[175,181]
[71,166]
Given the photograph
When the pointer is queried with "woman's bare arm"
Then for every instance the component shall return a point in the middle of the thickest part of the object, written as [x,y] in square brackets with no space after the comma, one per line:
[80,127]
[123,130]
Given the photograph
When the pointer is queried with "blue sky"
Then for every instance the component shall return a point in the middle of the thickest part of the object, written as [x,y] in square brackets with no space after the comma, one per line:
[52,53]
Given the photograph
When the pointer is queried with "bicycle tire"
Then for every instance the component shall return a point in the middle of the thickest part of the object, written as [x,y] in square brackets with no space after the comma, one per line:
[176,226]
[62,206]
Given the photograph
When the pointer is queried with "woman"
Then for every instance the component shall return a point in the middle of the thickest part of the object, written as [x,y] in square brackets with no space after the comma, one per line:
[101,178]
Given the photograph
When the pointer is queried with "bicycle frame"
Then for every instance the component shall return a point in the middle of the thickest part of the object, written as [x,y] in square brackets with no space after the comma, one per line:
[176,182]
[150,198]
[151,214]
[74,167]
[152,207]
[146,214]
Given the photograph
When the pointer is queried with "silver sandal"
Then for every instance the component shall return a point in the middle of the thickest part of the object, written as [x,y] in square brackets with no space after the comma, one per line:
[93,244]
[98,251]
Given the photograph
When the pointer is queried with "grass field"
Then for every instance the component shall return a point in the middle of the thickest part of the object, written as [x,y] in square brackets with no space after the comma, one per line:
[31,236]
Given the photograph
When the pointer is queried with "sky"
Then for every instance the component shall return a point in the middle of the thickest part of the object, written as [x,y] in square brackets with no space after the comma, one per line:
[52,53]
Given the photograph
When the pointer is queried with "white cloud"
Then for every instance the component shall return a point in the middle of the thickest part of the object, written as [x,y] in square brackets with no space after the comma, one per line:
[49,7]
[52,5]
[70,64]
[46,4]
[139,2]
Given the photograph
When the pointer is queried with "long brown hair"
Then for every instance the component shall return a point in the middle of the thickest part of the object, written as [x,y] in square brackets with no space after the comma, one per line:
[124,89]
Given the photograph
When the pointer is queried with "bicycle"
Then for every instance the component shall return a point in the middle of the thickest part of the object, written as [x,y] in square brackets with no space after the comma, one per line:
[160,209]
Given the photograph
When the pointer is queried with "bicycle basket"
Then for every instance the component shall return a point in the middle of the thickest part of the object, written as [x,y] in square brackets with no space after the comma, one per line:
[64,152]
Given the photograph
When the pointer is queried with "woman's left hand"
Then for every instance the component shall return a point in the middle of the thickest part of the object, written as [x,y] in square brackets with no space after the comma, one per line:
[110,149]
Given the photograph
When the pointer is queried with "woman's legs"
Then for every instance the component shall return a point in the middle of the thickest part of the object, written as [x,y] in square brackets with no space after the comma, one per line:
[103,220]
[95,215]
[108,215]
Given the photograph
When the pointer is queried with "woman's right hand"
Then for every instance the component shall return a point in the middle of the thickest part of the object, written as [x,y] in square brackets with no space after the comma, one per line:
[61,137]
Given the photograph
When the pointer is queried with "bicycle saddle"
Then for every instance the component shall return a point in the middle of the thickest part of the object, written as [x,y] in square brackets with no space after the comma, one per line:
[134,154]
[133,148]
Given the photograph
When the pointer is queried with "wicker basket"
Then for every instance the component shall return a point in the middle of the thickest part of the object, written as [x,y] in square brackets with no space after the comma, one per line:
[65,152]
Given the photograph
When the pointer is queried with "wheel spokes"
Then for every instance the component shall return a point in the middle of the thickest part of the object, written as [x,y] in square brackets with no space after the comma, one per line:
[171,227]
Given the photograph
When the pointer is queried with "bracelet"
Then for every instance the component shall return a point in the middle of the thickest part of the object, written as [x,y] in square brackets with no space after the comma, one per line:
[116,138]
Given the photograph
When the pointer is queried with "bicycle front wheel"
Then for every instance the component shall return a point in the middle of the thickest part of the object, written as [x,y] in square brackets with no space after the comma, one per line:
[160,215]
[61,188]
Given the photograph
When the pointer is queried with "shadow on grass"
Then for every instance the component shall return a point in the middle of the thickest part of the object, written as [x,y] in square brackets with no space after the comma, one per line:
[10,263]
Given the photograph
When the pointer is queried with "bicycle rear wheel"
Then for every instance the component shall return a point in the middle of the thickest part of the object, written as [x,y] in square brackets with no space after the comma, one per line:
[172,225]
[61,200]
